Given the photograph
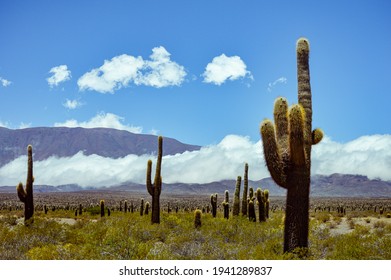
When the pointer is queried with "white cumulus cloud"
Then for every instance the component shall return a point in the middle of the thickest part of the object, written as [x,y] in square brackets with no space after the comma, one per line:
[367,155]
[102,119]
[224,68]
[72,104]
[120,71]
[4,82]
[60,73]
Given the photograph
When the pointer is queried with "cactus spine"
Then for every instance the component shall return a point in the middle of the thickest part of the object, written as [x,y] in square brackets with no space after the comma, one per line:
[213,201]
[197,218]
[226,205]
[245,188]
[287,150]
[155,189]
[26,194]
[236,206]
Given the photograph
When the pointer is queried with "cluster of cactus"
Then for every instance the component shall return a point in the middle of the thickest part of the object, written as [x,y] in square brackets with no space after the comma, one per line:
[226,205]
[26,194]
[155,189]
[287,150]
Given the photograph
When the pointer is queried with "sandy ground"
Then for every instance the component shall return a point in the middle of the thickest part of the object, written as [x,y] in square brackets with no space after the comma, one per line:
[344,226]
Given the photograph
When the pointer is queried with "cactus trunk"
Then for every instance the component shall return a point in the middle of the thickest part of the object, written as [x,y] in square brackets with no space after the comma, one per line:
[287,149]
[245,188]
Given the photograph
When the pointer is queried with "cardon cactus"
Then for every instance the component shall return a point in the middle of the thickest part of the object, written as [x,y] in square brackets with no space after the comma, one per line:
[26,194]
[245,189]
[155,189]
[236,206]
[287,149]
[213,202]
[142,207]
[267,203]
[251,210]
[226,205]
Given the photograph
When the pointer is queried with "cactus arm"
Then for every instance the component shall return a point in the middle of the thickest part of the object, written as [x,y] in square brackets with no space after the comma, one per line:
[159,161]
[317,136]
[281,121]
[21,192]
[272,153]
[296,135]
[149,181]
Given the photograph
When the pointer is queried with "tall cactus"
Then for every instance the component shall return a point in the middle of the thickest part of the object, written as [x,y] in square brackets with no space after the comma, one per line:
[245,189]
[236,206]
[155,189]
[287,150]
[213,202]
[26,195]
[267,203]
[102,208]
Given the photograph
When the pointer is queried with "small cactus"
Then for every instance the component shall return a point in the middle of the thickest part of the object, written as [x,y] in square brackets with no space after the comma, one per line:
[226,205]
[26,195]
[251,211]
[142,207]
[102,208]
[126,206]
[197,218]
[80,209]
[261,205]
[146,211]
[267,203]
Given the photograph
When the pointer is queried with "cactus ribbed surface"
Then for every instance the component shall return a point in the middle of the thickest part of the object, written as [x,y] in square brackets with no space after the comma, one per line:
[155,189]
[26,194]
[287,150]
[245,189]
[236,206]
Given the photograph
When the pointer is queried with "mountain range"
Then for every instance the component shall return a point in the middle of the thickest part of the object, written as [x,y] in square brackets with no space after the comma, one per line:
[66,142]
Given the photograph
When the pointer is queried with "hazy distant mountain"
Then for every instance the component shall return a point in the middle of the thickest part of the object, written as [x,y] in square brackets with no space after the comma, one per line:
[65,142]
[335,185]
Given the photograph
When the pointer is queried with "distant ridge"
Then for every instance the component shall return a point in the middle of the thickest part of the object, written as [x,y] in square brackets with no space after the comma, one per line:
[335,185]
[66,142]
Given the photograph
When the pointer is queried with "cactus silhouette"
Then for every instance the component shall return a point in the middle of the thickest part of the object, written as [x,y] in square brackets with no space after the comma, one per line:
[142,207]
[155,189]
[213,202]
[267,203]
[26,195]
[287,150]
[251,210]
[245,189]
[236,206]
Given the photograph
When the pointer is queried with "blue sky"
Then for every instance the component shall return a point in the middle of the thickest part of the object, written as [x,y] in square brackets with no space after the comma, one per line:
[196,71]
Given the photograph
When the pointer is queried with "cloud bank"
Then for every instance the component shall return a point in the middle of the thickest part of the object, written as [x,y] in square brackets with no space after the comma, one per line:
[107,120]
[223,68]
[281,80]
[120,71]
[60,74]
[367,155]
